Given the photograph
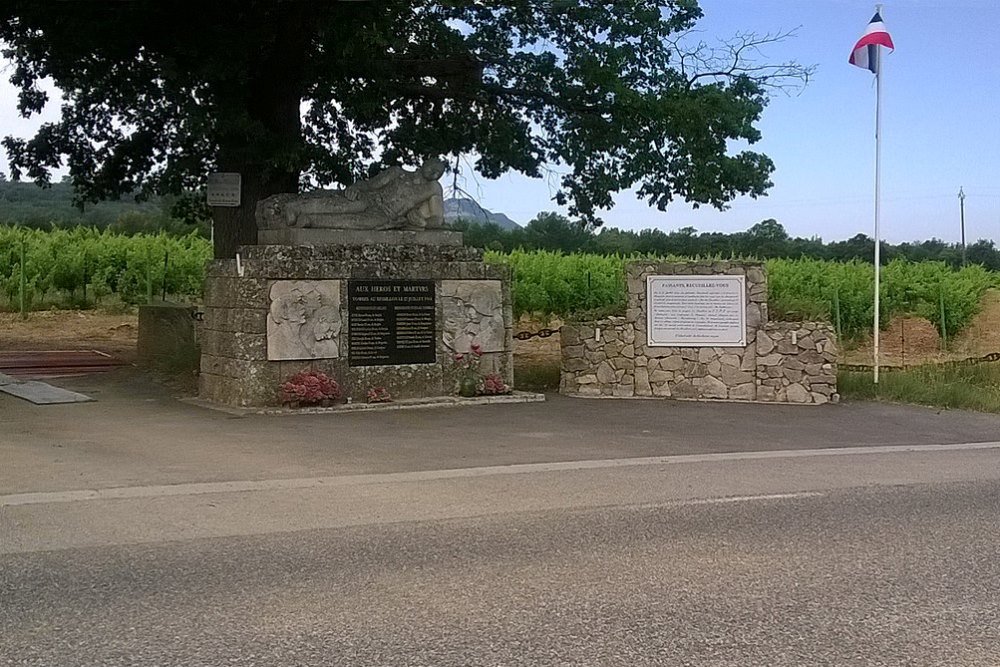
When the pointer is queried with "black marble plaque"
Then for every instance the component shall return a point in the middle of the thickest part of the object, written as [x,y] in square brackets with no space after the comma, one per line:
[391,322]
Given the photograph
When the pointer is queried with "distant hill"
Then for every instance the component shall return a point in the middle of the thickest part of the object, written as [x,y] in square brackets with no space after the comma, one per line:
[466,209]
[28,204]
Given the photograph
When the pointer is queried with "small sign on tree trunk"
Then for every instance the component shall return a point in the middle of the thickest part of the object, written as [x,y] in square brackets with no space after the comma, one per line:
[224,189]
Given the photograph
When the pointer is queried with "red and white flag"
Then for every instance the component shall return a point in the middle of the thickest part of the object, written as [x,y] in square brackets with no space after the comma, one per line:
[865,53]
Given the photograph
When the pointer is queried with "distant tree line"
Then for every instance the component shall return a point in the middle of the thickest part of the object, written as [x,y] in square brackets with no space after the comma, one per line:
[28,205]
[765,240]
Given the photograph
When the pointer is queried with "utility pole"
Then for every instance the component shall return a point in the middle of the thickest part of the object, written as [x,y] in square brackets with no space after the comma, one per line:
[961,206]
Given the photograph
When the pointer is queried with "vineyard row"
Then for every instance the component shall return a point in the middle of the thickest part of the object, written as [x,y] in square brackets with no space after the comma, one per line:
[83,266]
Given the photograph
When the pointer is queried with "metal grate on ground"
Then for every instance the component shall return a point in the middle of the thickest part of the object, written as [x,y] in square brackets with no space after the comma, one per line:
[40,364]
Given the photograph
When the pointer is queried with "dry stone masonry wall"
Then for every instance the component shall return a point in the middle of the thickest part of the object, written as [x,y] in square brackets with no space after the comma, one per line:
[796,363]
[777,362]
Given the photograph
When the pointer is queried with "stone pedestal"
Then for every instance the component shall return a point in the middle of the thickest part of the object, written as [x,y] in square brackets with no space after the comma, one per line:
[311,236]
[292,308]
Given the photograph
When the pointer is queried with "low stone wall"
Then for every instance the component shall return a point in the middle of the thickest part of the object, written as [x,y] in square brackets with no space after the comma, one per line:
[602,358]
[781,361]
[240,367]
[797,363]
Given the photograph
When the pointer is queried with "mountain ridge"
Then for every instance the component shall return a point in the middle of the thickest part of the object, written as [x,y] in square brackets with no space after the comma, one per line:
[463,208]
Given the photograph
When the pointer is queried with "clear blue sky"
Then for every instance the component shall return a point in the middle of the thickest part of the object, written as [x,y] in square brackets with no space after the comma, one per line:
[940,117]
[941,126]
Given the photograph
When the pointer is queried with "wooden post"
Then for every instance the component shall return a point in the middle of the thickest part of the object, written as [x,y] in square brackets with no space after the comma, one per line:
[944,327]
[24,311]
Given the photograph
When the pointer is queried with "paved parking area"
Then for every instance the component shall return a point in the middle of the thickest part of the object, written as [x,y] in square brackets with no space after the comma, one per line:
[137,433]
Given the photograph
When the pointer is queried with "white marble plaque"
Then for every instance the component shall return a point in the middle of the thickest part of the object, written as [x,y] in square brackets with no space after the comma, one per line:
[304,321]
[696,311]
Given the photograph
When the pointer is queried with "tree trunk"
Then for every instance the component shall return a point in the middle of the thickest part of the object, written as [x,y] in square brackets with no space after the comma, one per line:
[266,150]
[236,226]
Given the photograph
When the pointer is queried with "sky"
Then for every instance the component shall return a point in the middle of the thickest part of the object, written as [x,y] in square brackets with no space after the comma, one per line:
[940,127]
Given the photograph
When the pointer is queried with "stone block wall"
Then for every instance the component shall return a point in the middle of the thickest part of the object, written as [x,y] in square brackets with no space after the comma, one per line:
[797,362]
[781,362]
[235,369]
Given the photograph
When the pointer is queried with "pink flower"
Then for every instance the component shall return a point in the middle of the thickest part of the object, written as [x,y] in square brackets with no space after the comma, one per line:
[493,384]
[310,387]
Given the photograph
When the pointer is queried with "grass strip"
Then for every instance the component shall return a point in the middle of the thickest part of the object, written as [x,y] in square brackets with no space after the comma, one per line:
[974,387]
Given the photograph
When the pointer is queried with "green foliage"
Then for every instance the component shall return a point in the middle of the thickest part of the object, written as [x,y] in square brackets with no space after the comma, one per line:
[808,287]
[553,283]
[912,288]
[62,262]
[156,96]
[961,387]
[546,283]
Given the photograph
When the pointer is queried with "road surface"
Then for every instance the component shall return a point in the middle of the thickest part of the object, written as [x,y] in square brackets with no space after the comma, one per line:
[874,555]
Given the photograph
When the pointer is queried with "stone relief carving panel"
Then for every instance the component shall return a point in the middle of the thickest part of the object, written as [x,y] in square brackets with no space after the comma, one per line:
[304,321]
[473,314]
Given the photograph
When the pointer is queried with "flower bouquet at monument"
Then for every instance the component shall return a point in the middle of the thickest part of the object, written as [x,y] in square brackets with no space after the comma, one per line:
[467,364]
[493,385]
[379,395]
[310,388]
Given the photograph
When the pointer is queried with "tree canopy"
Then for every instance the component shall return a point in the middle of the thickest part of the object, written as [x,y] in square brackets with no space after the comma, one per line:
[598,95]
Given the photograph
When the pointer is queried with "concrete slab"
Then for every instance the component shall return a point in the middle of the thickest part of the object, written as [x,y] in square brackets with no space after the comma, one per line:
[41,393]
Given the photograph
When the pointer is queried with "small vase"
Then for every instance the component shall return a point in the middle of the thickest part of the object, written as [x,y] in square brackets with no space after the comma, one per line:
[468,386]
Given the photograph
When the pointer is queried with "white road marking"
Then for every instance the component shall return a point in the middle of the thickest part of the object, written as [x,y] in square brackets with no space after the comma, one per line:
[199,488]
[744,499]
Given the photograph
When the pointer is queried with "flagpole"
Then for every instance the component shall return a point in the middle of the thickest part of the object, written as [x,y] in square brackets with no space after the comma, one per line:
[878,164]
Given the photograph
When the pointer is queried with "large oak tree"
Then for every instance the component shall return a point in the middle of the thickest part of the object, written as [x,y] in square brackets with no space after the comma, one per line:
[611,94]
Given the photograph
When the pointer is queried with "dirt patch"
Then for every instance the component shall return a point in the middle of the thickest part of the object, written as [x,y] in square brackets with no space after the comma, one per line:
[907,340]
[537,346]
[71,330]
[982,336]
[537,360]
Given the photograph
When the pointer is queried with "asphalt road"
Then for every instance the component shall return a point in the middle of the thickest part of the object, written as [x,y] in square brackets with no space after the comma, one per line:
[857,557]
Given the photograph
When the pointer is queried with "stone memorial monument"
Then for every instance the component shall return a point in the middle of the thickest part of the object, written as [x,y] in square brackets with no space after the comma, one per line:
[364,284]
[699,330]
